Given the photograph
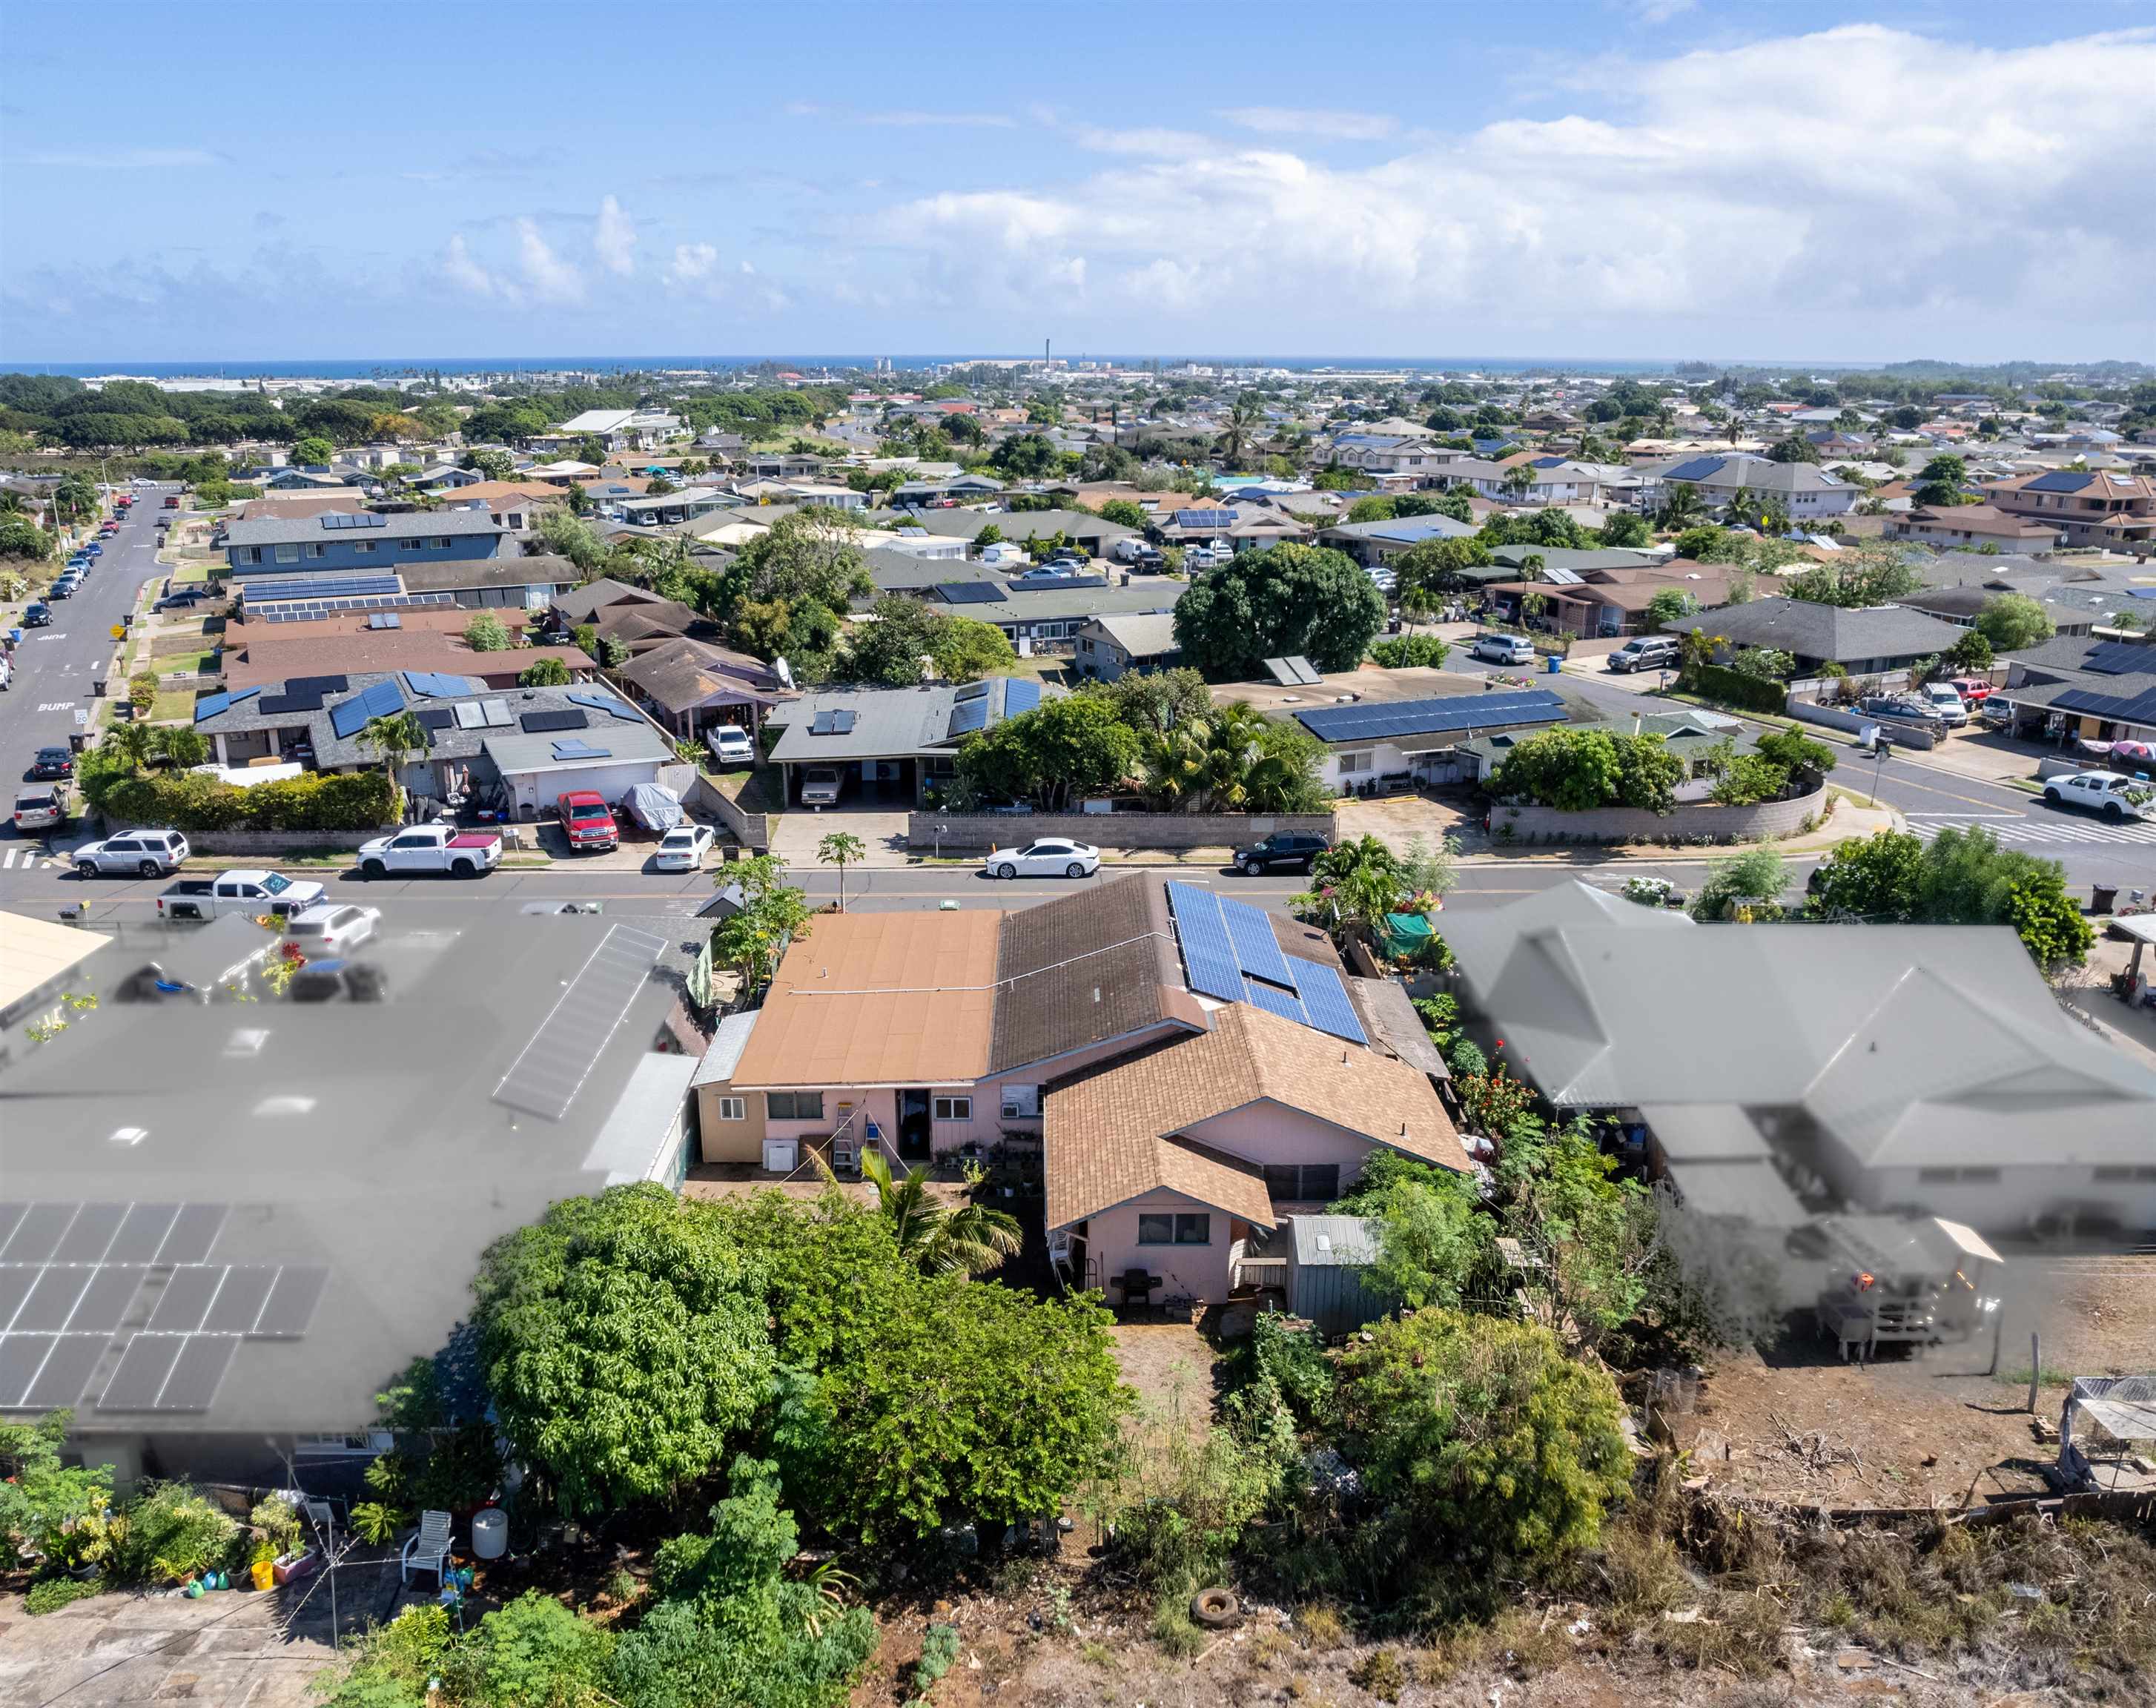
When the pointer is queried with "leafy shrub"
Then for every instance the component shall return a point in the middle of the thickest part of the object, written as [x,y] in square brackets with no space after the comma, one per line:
[533,1654]
[279,1521]
[1578,770]
[1481,1433]
[50,1594]
[1405,651]
[1718,682]
[316,800]
[939,1654]
[45,1505]
[173,1534]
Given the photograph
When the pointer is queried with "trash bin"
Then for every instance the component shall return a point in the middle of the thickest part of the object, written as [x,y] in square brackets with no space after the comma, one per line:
[2101,897]
[97,687]
[1556,663]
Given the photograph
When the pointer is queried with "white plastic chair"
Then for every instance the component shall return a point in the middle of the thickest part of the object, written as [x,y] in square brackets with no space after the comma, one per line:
[428,1550]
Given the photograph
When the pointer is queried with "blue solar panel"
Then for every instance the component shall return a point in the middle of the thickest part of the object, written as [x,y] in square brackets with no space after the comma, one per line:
[1327,999]
[216,703]
[2061,480]
[1423,717]
[1277,1002]
[2119,708]
[607,704]
[1208,955]
[316,586]
[1257,950]
[967,592]
[1020,694]
[967,717]
[1698,468]
[1204,519]
[2120,657]
[349,717]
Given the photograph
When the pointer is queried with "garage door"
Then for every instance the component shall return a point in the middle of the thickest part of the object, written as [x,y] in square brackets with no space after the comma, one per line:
[536,790]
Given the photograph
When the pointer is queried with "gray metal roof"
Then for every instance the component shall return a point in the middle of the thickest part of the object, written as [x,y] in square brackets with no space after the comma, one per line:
[1333,1242]
[890,723]
[1912,1044]
[716,1064]
[518,754]
[279,530]
[1141,634]
[1824,631]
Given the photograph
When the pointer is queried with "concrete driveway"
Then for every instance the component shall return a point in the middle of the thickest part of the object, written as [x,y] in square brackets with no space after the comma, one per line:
[799,832]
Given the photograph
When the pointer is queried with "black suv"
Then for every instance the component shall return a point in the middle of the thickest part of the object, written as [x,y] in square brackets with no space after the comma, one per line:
[1281,849]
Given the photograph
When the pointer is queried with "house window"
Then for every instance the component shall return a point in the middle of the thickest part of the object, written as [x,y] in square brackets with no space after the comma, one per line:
[954,1108]
[1021,1102]
[793,1105]
[288,554]
[1315,1182]
[1353,761]
[1175,1230]
[316,549]
[733,1108]
[441,544]
[363,546]
[255,554]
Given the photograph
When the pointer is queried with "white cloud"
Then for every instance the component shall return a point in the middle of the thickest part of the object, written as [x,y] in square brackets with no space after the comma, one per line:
[549,278]
[615,238]
[1874,184]
[692,263]
[1314,122]
[460,269]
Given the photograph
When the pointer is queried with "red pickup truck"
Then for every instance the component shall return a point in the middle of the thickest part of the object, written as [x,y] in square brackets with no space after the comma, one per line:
[587,822]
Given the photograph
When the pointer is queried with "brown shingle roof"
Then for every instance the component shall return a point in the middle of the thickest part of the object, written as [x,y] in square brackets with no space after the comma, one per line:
[1085,968]
[1114,1133]
[259,654]
[679,674]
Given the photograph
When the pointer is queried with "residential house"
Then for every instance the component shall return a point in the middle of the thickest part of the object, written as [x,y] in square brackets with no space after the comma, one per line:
[1095,536]
[1878,1068]
[616,429]
[532,582]
[1962,605]
[690,685]
[1176,1119]
[890,745]
[1968,526]
[687,505]
[368,541]
[1805,492]
[292,506]
[1600,602]
[1417,461]
[515,506]
[2090,507]
[425,639]
[1110,647]
[250,1145]
[1538,483]
[2081,687]
[1863,642]
[1373,544]
[516,749]
[1417,741]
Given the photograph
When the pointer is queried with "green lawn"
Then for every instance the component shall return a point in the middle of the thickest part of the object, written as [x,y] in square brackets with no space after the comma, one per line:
[188,573]
[176,704]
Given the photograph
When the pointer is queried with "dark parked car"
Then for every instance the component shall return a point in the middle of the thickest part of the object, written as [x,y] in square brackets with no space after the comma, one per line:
[176,598]
[53,762]
[37,614]
[1281,849]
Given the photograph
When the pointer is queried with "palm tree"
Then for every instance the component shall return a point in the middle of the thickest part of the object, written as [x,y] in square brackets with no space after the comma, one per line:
[133,742]
[1243,420]
[943,1239]
[1681,507]
[393,739]
[841,849]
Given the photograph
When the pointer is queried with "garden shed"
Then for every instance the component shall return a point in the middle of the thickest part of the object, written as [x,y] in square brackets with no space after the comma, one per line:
[1328,1259]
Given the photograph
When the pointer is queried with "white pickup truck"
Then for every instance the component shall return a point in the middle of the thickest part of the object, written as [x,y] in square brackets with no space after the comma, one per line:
[432,847]
[241,890]
[2115,795]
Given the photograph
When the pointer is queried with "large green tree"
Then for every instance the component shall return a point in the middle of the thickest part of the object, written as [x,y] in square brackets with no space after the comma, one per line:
[1064,749]
[623,1344]
[1285,600]
[2011,621]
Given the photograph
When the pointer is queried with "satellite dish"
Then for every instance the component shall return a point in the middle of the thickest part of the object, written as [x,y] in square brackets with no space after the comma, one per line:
[785,672]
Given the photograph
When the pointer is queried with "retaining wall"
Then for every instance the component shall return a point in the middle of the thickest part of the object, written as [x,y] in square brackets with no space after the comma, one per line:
[1833,717]
[752,830]
[1766,821]
[957,832]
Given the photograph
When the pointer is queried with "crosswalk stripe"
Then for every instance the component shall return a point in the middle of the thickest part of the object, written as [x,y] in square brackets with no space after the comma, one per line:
[1927,824]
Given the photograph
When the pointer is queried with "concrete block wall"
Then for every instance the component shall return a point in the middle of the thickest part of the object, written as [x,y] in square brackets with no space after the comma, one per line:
[970,832]
[1765,822]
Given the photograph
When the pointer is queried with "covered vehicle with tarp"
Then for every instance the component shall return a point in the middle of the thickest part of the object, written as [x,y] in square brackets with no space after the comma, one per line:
[655,807]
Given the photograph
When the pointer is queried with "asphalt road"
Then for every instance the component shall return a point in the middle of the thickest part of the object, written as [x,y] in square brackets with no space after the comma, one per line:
[52,698]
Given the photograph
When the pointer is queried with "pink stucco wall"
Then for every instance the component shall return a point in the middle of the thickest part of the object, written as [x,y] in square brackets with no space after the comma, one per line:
[1199,1271]
[1269,1132]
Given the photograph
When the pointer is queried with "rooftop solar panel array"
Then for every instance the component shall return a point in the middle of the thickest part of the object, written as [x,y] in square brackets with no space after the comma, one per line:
[210,705]
[1021,695]
[349,717]
[2120,657]
[2061,480]
[1204,519]
[540,723]
[318,586]
[1423,717]
[607,704]
[1230,954]
[967,592]
[319,610]
[550,1069]
[336,520]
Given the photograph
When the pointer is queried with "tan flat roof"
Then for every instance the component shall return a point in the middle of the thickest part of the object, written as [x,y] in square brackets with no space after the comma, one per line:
[35,952]
[880,999]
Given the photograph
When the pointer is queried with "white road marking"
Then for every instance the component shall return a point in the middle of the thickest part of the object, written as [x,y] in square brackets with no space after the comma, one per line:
[56,706]
[2042,831]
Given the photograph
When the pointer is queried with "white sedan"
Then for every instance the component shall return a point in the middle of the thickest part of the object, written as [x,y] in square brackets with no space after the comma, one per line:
[1051,857]
[683,848]
[333,928]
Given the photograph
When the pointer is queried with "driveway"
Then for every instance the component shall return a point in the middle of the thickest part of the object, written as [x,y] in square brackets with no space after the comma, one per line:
[797,833]
[1397,820]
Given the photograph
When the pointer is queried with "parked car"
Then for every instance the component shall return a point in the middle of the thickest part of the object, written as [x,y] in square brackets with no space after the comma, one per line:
[2112,793]
[1909,708]
[1051,857]
[40,809]
[1281,849]
[1942,698]
[37,614]
[587,822]
[181,597]
[334,927]
[94,549]
[142,853]
[172,500]
[243,890]
[53,762]
[432,848]
[821,786]
[731,744]
[1975,690]
[1646,652]
[684,848]
[1501,649]
[65,587]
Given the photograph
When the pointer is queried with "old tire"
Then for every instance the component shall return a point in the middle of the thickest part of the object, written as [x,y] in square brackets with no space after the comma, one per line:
[1214,1609]
[374,868]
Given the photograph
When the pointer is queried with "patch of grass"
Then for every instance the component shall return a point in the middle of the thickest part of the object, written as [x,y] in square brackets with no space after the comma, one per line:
[172,706]
[2047,1377]
[1174,1629]
[1321,1627]
[1100,1657]
[1380,1673]
[50,1594]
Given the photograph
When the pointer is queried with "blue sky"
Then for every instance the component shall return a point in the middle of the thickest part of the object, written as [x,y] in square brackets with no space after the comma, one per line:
[1626,178]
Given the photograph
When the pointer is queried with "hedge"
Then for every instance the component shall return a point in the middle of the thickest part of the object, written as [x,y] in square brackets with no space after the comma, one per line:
[317,801]
[1735,688]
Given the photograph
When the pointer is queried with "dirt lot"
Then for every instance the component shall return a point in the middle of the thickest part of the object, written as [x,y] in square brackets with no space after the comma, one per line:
[1170,1364]
[1800,1425]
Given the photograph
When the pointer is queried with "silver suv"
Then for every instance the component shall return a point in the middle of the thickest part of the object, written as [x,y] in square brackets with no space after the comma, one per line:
[1646,652]
[134,854]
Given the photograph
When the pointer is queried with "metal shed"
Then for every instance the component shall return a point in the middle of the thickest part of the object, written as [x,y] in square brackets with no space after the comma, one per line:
[1327,1260]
